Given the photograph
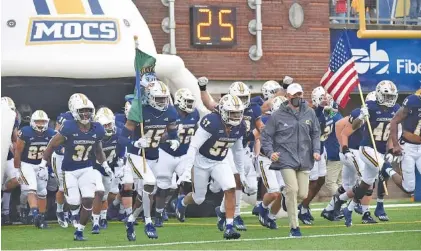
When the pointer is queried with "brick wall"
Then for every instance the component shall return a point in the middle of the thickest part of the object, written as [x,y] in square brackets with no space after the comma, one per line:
[302,54]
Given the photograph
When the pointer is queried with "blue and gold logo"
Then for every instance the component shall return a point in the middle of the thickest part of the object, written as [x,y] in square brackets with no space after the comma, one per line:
[71,21]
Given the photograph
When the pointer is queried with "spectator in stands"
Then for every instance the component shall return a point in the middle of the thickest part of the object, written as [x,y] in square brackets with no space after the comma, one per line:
[370,6]
[414,11]
[341,10]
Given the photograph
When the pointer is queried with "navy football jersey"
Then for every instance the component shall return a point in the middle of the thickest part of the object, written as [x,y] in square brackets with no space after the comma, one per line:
[332,143]
[257,100]
[15,126]
[154,125]
[120,119]
[78,144]
[412,122]
[216,147]
[189,126]
[380,123]
[35,144]
[326,126]
[251,115]
[112,151]
[60,120]
[355,138]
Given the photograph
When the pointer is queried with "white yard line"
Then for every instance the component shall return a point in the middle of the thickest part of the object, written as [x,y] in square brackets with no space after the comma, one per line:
[385,205]
[239,240]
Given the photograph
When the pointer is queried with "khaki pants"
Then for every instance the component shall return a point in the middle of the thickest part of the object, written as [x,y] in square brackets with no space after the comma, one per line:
[296,188]
[333,179]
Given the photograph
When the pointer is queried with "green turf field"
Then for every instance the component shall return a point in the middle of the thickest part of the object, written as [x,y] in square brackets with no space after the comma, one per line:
[402,232]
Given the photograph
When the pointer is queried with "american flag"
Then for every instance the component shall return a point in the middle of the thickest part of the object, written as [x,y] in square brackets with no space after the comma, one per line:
[341,76]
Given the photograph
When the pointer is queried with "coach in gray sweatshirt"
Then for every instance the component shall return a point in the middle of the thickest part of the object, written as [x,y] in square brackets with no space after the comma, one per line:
[291,139]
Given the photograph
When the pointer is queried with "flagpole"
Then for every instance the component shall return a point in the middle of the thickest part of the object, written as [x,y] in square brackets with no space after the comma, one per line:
[142,133]
[373,142]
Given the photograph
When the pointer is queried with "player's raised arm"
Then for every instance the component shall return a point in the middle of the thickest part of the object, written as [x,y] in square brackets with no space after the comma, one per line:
[207,100]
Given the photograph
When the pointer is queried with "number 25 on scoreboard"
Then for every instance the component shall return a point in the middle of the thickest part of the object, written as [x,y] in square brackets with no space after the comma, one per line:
[213,26]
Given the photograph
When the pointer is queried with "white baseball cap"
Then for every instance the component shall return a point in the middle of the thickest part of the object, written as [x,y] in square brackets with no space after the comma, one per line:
[294,88]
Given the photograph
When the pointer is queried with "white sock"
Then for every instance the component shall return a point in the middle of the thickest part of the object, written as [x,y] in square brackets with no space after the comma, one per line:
[95,219]
[264,206]
[364,208]
[80,227]
[146,204]
[343,197]
[238,195]
[331,204]
[182,203]
[352,205]
[258,202]
[380,200]
[390,171]
[148,220]
[103,214]
[131,218]
[128,210]
[304,210]
[5,200]
[137,212]
[159,210]
[222,207]
[230,221]
[59,208]
[272,216]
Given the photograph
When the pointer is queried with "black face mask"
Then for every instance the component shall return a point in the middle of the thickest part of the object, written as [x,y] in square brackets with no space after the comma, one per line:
[296,102]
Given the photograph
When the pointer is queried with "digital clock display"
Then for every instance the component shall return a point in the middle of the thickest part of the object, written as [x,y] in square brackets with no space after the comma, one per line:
[213,26]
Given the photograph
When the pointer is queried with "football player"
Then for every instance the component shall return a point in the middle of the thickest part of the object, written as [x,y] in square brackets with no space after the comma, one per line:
[158,117]
[270,89]
[57,160]
[217,133]
[10,180]
[353,166]
[114,154]
[318,173]
[79,137]
[272,180]
[410,117]
[380,113]
[31,143]
[170,161]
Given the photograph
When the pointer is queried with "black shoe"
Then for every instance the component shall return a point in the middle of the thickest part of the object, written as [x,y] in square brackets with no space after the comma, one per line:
[5,220]
[367,219]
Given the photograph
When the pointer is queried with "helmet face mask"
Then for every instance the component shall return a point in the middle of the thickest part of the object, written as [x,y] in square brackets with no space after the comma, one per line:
[231,109]
[83,110]
[277,102]
[318,97]
[270,88]
[185,100]
[106,118]
[39,121]
[386,93]
[158,95]
[242,91]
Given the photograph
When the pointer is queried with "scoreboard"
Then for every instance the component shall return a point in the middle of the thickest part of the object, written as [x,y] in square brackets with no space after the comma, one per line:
[213,26]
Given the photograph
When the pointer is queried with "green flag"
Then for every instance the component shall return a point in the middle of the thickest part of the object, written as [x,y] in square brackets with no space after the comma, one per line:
[144,65]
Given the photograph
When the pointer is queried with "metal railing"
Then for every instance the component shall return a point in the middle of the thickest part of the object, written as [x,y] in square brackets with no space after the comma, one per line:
[392,12]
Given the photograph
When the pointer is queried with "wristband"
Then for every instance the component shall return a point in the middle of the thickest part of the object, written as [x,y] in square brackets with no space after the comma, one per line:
[345,149]
[202,88]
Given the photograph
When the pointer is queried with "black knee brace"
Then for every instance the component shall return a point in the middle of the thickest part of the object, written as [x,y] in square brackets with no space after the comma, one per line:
[341,190]
[358,192]
[162,193]
[187,187]
[369,192]
[126,193]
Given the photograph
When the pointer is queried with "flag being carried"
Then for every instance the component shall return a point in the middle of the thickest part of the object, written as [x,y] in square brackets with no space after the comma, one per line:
[341,76]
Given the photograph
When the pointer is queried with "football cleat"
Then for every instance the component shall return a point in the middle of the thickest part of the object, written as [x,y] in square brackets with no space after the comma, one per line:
[239,224]
[271,224]
[380,213]
[304,217]
[24,218]
[67,218]
[103,223]
[230,233]
[221,219]
[159,221]
[295,232]
[367,219]
[165,215]
[337,205]
[358,209]
[150,231]
[180,210]
[263,214]
[75,220]
[329,215]
[95,229]
[42,222]
[131,235]
[5,220]
[78,236]
[255,210]
[348,217]
[61,221]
